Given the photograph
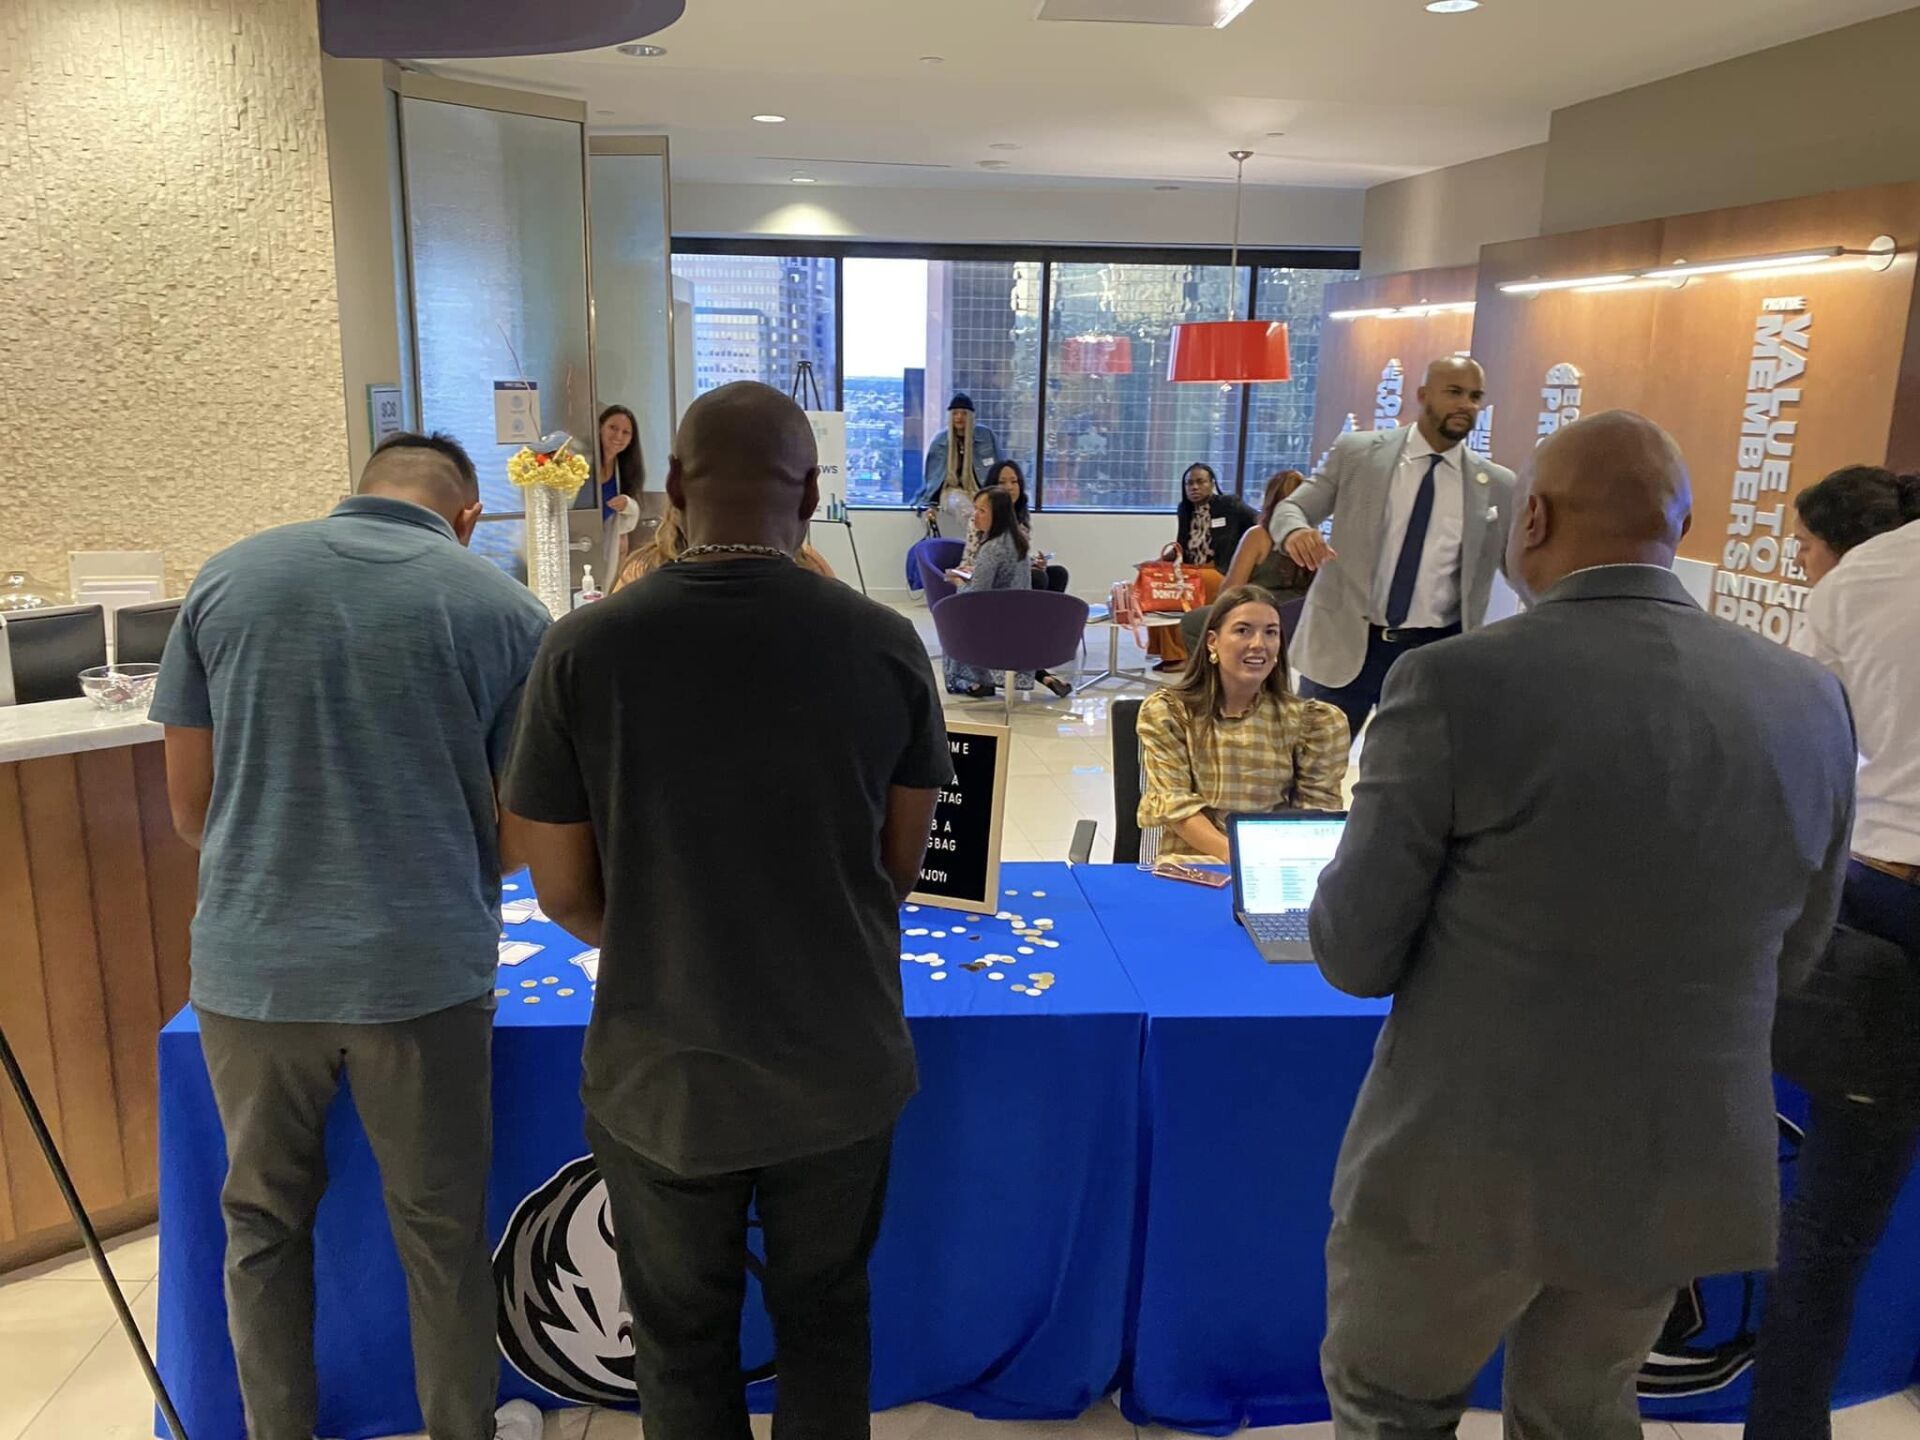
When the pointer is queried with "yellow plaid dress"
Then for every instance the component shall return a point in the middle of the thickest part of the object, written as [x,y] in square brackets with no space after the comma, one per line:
[1281,754]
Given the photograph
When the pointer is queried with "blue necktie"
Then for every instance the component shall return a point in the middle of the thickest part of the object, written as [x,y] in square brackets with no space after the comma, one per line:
[1406,574]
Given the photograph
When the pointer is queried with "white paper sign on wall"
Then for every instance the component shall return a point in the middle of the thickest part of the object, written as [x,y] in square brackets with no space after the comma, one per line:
[516,412]
[384,415]
[830,439]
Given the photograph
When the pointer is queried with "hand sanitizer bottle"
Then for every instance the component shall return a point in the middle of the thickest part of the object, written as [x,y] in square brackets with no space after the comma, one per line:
[589,592]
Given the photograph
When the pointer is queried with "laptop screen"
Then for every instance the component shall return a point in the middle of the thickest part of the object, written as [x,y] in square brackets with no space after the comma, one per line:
[1278,861]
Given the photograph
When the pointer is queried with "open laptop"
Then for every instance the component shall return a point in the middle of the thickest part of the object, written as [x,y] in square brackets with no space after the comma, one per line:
[1277,860]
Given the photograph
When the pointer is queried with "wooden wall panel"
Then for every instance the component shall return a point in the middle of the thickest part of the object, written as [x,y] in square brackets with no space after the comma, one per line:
[100,895]
[35,1201]
[89,1135]
[1682,355]
[122,918]
[1353,353]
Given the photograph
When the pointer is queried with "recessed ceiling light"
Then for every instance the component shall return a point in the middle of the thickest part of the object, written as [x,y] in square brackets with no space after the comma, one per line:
[771,119]
[1166,187]
[1003,145]
[933,59]
[603,112]
[994,164]
[802,180]
[642,52]
[1452,7]
[1275,134]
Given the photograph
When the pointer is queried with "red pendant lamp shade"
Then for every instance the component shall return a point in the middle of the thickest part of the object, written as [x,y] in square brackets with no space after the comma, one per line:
[1229,352]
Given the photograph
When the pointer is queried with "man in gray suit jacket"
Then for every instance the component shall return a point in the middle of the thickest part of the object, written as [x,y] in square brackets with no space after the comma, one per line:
[1590,846]
[1419,526]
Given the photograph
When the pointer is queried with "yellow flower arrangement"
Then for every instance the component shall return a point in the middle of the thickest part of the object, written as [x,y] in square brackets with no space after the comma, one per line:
[561,470]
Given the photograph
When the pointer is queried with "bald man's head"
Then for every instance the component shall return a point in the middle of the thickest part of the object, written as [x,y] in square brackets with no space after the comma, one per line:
[432,471]
[1450,400]
[1608,490]
[745,469]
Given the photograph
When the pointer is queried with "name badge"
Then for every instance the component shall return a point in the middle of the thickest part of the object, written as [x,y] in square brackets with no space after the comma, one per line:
[1218,522]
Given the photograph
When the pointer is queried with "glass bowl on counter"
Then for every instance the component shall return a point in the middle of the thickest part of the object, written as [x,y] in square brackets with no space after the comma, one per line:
[119,689]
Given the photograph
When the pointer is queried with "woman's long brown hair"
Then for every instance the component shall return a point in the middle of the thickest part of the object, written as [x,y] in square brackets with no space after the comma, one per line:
[1199,688]
[1280,485]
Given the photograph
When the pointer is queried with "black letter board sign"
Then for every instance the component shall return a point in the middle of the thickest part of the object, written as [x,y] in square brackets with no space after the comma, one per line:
[962,868]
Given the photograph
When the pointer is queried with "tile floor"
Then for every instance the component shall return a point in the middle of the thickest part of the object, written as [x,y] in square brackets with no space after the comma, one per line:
[66,1373]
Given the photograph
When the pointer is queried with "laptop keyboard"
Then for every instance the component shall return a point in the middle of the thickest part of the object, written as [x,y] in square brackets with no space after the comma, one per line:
[1290,925]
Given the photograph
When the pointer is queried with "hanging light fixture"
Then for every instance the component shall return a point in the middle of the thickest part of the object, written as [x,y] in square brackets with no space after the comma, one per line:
[1230,352]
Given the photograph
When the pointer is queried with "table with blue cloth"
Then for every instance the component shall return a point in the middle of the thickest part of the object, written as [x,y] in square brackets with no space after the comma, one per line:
[1001,1275]
[1249,1074]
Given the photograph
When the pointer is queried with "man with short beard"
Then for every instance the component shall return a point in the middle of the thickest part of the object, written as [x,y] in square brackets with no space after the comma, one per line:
[1419,527]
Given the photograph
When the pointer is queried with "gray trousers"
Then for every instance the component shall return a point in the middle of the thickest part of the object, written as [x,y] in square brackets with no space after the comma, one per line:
[1408,1330]
[423,1088]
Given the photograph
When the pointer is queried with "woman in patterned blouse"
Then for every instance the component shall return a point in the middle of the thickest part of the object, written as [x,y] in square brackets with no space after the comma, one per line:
[1207,530]
[1231,737]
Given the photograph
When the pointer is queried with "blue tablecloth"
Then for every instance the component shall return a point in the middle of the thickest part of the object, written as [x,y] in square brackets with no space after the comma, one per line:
[1001,1277]
[1249,1075]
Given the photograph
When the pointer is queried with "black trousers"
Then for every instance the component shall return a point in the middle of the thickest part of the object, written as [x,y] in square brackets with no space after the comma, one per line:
[682,1245]
[1851,1170]
[1056,579]
[1358,697]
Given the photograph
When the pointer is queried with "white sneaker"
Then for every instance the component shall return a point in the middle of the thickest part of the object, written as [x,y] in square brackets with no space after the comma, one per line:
[518,1420]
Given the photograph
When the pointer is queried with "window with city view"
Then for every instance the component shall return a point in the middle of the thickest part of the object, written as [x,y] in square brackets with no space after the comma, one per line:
[756,317]
[1280,420]
[1117,434]
[917,331]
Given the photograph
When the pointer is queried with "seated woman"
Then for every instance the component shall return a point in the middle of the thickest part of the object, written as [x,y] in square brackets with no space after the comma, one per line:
[670,538]
[1008,476]
[1206,535]
[1231,737]
[1258,561]
[999,562]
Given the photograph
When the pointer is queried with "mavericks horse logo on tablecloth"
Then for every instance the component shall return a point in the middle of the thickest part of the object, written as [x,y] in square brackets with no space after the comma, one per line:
[563,1315]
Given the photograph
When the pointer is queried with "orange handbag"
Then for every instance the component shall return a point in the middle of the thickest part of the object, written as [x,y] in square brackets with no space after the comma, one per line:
[1163,587]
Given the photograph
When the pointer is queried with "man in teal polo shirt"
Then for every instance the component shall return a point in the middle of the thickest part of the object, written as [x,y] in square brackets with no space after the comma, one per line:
[339,697]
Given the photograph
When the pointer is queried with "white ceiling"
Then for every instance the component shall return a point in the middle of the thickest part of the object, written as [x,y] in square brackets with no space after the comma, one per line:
[1365,90]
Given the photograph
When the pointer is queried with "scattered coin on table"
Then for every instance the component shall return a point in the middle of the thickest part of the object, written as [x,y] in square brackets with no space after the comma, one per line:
[532,999]
[1024,949]
[528,984]
[1020,990]
[917,930]
[500,994]
[913,909]
[996,975]
[1039,894]
[563,992]
[938,975]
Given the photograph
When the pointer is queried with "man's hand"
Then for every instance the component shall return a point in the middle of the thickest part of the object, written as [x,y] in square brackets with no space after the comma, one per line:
[1305,547]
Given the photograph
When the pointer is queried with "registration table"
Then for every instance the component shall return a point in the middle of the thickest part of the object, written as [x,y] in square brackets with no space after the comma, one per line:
[1000,1280]
[1249,1074]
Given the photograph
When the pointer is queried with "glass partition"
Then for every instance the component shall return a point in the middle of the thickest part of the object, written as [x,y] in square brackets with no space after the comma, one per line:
[496,235]
[633,289]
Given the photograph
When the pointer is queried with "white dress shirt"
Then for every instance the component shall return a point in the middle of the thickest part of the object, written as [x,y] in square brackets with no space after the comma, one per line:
[1860,625]
[1436,593]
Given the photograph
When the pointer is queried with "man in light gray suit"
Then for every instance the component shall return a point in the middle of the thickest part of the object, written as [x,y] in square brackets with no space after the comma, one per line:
[1590,846]
[1419,526]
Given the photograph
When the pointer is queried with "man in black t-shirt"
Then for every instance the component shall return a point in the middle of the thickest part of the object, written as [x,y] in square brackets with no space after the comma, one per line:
[730,770]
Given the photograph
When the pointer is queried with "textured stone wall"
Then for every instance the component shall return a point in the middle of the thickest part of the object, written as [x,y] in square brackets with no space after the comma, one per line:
[169,346]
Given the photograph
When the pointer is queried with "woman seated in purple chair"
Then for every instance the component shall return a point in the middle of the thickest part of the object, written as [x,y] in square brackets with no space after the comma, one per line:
[997,560]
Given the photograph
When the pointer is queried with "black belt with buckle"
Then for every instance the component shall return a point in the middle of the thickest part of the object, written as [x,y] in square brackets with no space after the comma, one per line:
[1403,635]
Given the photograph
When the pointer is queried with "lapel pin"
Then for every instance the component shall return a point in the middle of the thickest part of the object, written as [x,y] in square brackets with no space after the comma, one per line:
[1481,477]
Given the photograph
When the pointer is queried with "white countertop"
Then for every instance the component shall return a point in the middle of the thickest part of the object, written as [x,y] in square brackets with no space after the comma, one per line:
[67,727]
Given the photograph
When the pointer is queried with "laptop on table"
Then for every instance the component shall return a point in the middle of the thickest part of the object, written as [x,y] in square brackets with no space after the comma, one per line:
[1277,860]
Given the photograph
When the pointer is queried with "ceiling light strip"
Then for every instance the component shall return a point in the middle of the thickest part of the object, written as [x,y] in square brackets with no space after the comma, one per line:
[1404,312]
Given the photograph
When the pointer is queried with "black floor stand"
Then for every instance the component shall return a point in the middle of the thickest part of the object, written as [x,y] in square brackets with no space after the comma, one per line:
[65,1182]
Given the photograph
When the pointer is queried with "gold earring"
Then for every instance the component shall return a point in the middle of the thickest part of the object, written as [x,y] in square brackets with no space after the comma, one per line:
[1213,657]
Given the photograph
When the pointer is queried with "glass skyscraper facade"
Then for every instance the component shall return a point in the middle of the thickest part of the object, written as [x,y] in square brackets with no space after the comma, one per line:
[756,317]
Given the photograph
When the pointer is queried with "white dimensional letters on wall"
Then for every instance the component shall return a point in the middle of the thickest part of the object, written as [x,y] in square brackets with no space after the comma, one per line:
[1559,398]
[1388,399]
[1760,585]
